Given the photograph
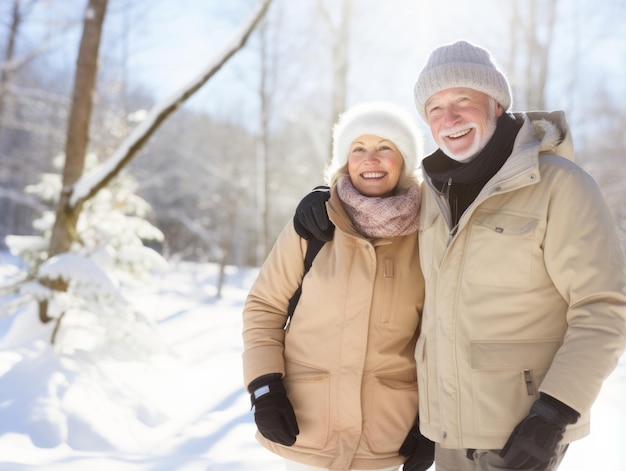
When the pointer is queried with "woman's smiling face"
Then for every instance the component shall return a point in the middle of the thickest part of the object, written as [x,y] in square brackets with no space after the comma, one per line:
[374,165]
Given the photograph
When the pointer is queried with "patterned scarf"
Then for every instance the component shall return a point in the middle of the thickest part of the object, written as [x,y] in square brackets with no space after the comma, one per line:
[377,217]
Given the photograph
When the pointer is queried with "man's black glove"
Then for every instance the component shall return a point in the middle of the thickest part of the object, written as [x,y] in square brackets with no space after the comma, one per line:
[534,441]
[419,450]
[273,413]
[311,219]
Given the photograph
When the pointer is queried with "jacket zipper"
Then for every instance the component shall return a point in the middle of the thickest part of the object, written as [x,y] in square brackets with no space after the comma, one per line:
[487,193]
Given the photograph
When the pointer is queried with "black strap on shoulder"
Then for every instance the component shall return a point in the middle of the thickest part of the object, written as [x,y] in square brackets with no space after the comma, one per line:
[312,249]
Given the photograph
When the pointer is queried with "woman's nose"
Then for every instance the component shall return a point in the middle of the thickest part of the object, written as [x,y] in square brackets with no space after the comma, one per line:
[371,155]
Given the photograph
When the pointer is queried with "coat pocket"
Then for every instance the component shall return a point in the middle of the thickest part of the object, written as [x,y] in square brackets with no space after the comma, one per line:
[309,393]
[500,250]
[506,378]
[391,411]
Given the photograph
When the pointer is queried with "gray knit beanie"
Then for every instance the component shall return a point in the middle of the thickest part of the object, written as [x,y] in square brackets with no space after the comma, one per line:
[382,119]
[461,64]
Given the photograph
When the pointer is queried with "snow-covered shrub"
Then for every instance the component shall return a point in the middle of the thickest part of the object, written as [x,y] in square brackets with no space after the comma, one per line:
[109,253]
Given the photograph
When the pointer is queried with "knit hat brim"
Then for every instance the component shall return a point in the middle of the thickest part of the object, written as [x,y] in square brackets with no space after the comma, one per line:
[461,64]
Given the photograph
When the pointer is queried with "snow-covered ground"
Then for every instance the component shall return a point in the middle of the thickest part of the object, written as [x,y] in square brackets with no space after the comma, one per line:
[185,410]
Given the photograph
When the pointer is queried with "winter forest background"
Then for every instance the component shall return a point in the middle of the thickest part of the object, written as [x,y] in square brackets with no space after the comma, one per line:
[152,150]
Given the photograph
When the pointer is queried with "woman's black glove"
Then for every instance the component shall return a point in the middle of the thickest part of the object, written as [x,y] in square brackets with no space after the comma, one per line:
[534,441]
[273,412]
[419,450]
[311,219]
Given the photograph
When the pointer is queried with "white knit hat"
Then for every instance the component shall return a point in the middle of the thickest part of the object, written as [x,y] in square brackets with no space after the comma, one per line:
[461,64]
[381,119]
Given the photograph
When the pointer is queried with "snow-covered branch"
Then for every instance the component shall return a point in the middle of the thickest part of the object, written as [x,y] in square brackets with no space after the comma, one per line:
[91,182]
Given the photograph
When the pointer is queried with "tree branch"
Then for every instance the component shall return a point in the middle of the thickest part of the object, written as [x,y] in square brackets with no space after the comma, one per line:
[89,184]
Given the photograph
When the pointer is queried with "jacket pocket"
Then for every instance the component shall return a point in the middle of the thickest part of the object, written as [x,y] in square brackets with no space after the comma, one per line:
[309,393]
[500,250]
[391,411]
[506,378]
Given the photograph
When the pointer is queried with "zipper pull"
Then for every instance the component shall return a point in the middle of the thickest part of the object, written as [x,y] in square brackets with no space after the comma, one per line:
[451,235]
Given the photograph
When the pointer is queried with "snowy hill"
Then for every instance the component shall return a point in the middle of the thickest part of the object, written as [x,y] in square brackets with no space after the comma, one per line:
[184,409]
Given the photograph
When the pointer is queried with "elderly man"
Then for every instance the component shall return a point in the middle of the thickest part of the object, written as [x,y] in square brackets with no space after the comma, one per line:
[525,311]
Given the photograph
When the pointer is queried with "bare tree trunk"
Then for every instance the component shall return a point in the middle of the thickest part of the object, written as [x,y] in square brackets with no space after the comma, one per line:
[515,21]
[64,229]
[535,76]
[340,62]
[227,249]
[340,45]
[261,157]
[16,19]
[10,64]
[544,57]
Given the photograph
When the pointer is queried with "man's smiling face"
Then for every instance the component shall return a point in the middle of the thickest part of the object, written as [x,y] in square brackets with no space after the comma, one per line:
[462,121]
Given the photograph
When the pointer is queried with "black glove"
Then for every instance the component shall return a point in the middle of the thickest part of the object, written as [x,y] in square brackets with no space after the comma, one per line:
[311,219]
[534,441]
[419,450]
[273,413]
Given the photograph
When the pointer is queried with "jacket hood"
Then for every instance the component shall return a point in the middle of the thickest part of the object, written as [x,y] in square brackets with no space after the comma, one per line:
[552,131]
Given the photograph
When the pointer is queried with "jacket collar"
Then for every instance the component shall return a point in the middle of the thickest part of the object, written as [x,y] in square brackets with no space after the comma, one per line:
[541,132]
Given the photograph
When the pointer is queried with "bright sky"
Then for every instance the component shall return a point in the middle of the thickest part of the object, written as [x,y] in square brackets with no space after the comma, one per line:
[168,42]
[390,42]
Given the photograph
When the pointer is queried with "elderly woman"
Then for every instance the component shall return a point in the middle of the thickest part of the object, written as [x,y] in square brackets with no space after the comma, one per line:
[335,388]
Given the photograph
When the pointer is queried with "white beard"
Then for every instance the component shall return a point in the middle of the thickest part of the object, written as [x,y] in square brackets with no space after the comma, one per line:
[480,140]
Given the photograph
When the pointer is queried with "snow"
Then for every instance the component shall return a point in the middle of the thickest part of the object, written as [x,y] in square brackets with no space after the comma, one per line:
[183,408]
[71,266]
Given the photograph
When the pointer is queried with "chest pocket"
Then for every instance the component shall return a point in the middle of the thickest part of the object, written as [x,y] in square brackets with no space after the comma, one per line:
[500,250]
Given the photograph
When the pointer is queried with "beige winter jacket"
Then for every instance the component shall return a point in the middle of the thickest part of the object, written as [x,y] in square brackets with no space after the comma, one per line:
[528,296]
[348,354]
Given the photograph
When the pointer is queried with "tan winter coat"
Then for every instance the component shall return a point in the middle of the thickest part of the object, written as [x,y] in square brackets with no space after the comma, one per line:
[348,354]
[529,295]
